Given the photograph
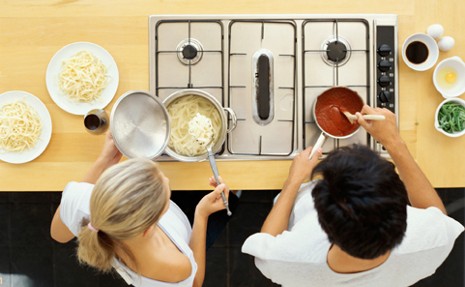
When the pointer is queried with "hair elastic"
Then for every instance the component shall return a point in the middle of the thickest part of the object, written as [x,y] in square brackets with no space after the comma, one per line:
[89,225]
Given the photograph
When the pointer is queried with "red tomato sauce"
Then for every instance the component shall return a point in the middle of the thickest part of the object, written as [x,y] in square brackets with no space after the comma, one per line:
[328,114]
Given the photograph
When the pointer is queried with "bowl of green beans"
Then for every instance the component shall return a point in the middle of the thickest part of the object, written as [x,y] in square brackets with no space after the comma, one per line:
[450,117]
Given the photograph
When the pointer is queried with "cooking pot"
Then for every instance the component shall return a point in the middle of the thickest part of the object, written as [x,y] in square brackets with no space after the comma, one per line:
[140,124]
[221,111]
[328,115]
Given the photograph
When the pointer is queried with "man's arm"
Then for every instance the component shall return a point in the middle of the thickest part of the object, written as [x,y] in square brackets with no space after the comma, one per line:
[420,191]
[277,220]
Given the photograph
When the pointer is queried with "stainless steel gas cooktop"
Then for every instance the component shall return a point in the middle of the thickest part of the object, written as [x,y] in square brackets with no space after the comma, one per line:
[270,69]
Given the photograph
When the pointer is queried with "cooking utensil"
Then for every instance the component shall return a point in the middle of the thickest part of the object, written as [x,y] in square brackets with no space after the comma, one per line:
[211,159]
[328,117]
[352,118]
[224,122]
[139,125]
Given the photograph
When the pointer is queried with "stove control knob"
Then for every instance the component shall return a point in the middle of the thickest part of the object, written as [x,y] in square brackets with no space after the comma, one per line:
[384,81]
[384,96]
[384,65]
[384,50]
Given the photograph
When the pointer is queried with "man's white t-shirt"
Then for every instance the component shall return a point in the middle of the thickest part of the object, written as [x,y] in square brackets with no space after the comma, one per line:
[75,207]
[297,257]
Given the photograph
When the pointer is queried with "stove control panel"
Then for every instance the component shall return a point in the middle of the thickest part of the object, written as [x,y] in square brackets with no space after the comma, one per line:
[385,67]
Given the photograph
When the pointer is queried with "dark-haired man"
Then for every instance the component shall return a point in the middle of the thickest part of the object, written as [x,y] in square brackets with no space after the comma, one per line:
[352,226]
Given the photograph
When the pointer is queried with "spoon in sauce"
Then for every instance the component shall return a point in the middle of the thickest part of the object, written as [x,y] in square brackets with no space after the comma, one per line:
[352,118]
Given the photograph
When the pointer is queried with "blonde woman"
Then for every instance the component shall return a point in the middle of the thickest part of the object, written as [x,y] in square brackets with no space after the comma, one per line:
[123,218]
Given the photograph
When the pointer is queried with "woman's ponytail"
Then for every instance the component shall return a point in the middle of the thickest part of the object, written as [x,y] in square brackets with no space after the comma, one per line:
[95,249]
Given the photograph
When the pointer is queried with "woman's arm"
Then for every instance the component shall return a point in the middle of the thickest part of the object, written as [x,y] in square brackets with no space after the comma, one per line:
[278,219]
[109,156]
[197,244]
[209,204]
[420,191]
[58,230]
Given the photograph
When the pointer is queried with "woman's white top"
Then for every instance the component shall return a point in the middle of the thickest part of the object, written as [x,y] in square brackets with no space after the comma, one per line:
[75,207]
[298,256]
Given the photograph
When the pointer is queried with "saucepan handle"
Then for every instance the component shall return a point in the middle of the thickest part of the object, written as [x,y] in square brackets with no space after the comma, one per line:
[374,117]
[319,143]
[233,119]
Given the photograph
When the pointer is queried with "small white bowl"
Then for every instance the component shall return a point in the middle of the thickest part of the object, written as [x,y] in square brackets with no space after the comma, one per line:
[433,51]
[436,120]
[456,89]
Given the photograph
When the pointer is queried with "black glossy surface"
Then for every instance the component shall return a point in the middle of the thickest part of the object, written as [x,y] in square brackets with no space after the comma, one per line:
[28,257]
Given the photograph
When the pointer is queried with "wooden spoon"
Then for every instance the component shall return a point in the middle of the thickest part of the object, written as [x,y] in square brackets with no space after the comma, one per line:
[352,118]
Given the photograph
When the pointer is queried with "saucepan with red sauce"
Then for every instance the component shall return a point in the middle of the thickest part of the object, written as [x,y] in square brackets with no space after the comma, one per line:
[328,113]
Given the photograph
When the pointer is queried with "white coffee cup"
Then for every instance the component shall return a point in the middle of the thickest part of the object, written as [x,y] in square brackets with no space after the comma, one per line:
[420,52]
[449,77]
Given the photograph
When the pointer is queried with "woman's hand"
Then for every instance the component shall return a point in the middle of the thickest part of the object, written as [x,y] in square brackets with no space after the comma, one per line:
[212,181]
[110,154]
[213,201]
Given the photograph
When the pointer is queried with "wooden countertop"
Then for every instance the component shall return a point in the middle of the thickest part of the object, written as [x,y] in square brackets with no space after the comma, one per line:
[31,31]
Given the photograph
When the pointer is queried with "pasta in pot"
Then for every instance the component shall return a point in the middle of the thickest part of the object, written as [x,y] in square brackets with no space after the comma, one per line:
[20,127]
[201,128]
[83,77]
[183,111]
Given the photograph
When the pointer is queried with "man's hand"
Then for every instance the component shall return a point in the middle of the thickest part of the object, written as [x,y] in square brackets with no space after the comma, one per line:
[302,167]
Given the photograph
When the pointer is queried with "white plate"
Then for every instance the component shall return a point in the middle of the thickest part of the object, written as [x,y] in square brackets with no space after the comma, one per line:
[54,68]
[45,119]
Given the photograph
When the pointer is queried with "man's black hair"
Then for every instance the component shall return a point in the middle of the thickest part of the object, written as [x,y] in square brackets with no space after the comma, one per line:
[361,201]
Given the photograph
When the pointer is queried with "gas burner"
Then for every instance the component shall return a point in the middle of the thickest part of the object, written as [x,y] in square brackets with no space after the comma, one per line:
[336,51]
[190,51]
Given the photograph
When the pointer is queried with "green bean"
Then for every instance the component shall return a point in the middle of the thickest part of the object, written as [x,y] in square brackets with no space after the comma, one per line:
[451,117]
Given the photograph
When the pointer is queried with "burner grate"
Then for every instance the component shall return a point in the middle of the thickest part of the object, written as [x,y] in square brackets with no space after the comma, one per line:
[262,79]
[333,61]
[196,55]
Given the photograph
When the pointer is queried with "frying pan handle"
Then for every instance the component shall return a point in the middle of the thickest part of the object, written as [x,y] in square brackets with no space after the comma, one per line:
[319,143]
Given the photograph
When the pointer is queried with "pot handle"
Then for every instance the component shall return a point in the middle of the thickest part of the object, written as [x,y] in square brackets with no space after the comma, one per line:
[233,119]
[319,143]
